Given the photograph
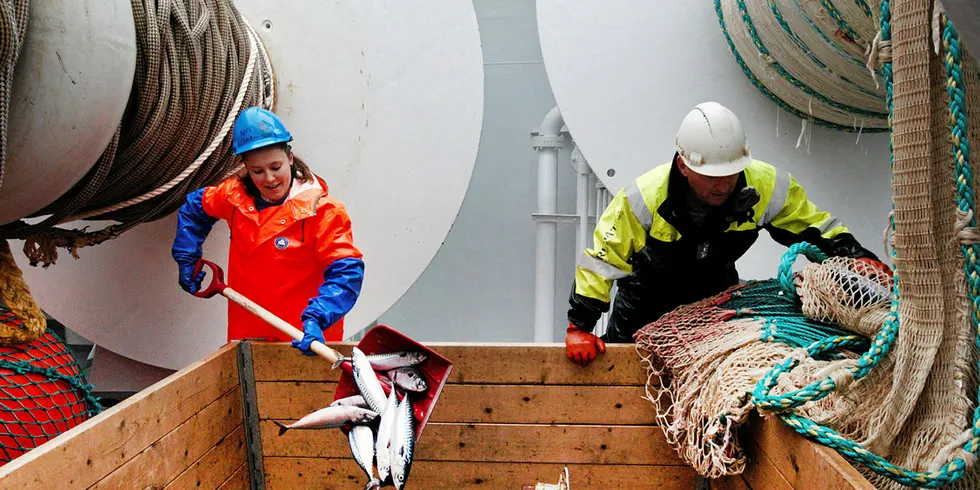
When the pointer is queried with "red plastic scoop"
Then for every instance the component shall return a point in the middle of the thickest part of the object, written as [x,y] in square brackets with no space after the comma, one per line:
[379,340]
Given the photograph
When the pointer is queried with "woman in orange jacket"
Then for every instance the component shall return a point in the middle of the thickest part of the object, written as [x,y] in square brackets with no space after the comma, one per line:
[291,247]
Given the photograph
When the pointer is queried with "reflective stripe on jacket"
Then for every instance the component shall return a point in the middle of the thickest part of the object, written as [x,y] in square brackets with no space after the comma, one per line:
[659,259]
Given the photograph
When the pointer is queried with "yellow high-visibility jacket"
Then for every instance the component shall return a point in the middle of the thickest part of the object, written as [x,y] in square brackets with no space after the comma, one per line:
[647,243]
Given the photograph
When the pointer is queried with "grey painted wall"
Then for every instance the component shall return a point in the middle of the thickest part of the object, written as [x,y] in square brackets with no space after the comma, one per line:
[480,286]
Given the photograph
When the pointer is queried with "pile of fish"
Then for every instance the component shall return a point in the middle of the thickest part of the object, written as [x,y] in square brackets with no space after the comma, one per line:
[381,428]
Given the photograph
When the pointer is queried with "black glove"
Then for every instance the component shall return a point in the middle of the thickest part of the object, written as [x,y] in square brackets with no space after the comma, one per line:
[745,200]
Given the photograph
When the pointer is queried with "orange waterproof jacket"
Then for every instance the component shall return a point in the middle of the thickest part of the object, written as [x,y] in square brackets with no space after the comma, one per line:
[282,257]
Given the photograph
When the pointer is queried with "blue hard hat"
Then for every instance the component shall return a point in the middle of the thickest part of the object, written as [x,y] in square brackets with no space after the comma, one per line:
[257,127]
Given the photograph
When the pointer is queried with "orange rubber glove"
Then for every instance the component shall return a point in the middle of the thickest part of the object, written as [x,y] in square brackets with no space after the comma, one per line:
[875,265]
[582,347]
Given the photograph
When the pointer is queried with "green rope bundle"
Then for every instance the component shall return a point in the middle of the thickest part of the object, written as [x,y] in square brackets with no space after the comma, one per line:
[782,317]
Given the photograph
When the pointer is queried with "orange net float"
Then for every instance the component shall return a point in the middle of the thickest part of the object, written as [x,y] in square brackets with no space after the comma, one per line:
[43,392]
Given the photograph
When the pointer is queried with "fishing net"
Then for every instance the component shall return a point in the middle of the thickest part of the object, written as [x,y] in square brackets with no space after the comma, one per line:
[43,393]
[883,370]
[704,359]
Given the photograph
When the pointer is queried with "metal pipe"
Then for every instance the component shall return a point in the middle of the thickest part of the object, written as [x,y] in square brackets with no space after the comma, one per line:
[547,142]
[581,200]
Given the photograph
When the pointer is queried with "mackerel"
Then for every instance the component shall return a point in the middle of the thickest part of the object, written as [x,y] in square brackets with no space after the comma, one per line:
[330,417]
[361,439]
[402,443]
[408,379]
[367,382]
[381,448]
[391,360]
[351,401]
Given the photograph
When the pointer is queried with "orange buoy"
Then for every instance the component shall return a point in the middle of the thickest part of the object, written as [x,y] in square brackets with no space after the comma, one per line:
[43,393]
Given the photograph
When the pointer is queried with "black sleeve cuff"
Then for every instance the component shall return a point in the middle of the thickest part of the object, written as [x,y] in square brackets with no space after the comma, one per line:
[584,312]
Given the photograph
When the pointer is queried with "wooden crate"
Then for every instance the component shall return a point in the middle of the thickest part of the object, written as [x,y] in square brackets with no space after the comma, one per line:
[517,414]
[185,431]
[511,415]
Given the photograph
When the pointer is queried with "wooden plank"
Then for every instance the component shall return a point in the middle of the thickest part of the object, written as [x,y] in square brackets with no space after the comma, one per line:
[585,444]
[250,416]
[804,464]
[502,404]
[760,472]
[540,364]
[317,473]
[168,457]
[216,466]
[278,361]
[238,480]
[732,482]
[99,445]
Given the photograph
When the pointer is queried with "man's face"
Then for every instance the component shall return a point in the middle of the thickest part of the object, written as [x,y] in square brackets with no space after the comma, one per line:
[712,191]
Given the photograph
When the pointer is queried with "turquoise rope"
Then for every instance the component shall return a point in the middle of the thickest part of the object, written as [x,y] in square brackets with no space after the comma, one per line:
[817,390]
[768,93]
[789,258]
[757,41]
[864,7]
[778,15]
[858,61]
[959,129]
[83,390]
[835,14]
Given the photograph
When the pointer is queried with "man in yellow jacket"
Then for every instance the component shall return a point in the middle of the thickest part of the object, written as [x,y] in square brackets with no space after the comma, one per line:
[673,236]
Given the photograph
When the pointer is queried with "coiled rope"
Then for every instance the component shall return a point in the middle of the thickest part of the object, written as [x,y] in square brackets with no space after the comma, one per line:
[13,28]
[809,58]
[198,65]
[965,454]
[16,295]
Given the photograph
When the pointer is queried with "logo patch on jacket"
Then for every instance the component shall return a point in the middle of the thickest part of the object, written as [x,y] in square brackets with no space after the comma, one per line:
[281,242]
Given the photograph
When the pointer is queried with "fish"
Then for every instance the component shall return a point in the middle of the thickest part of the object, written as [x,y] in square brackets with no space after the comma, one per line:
[391,360]
[351,401]
[330,417]
[367,382]
[381,448]
[402,443]
[361,439]
[408,379]
[863,291]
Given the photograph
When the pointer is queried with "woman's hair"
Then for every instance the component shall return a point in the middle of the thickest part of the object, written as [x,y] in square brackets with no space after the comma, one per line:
[301,172]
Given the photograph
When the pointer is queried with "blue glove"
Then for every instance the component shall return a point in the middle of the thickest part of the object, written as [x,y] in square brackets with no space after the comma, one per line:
[187,280]
[193,226]
[311,332]
[338,293]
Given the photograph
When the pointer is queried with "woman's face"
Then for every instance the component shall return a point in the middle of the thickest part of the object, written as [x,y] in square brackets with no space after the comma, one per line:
[270,168]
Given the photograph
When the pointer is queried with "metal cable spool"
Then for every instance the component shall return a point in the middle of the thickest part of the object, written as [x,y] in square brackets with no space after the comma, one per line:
[349,81]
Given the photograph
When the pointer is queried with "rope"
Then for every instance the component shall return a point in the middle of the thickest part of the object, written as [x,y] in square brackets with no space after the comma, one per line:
[784,51]
[880,346]
[17,297]
[198,65]
[13,29]
[229,121]
[969,442]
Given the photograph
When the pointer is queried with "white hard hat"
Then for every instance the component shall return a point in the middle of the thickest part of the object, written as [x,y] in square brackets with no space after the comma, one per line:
[711,141]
